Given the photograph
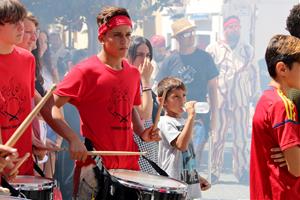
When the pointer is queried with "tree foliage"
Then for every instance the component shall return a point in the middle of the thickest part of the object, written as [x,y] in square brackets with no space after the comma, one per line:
[71,13]
[66,11]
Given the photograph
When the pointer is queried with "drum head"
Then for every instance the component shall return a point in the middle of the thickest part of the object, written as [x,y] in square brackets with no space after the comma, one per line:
[4,197]
[150,182]
[32,183]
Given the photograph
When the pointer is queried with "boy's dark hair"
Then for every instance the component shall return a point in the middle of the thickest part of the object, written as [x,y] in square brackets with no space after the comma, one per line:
[136,41]
[169,83]
[109,12]
[284,48]
[11,11]
[293,21]
[32,18]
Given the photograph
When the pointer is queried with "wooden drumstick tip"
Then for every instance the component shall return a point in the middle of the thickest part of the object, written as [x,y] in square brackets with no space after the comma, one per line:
[53,87]
[19,163]
[157,117]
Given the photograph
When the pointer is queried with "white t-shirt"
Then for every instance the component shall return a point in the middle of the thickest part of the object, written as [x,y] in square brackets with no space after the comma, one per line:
[179,165]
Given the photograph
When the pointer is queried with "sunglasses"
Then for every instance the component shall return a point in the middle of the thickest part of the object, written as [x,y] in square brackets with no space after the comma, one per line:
[187,34]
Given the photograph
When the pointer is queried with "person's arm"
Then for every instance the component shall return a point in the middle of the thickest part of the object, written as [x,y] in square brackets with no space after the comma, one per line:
[145,109]
[184,138]
[292,157]
[51,113]
[148,134]
[137,125]
[213,100]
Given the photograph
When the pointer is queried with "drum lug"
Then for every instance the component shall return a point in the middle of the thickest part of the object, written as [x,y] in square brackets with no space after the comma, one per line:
[112,190]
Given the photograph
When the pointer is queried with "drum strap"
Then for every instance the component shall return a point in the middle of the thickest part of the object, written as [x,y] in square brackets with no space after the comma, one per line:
[98,173]
[77,170]
[38,169]
[159,170]
[12,190]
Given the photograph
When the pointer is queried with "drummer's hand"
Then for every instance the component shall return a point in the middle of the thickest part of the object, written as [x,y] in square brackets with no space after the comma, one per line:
[278,157]
[204,184]
[77,149]
[150,135]
[11,155]
[4,191]
[11,176]
[9,172]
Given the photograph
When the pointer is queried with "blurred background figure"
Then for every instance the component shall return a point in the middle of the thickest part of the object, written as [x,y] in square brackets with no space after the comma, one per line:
[197,70]
[140,54]
[238,86]
[60,55]
[160,52]
[49,73]
[31,32]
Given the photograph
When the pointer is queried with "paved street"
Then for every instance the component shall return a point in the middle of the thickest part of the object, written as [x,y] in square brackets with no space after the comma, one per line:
[228,187]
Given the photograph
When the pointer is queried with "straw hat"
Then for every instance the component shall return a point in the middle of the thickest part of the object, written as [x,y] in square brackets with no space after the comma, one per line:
[181,25]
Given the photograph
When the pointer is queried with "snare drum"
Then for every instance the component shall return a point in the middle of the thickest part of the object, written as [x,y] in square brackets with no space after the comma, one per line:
[4,197]
[149,186]
[34,187]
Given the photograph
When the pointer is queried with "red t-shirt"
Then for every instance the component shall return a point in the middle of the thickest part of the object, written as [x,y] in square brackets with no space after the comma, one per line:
[275,124]
[17,72]
[104,98]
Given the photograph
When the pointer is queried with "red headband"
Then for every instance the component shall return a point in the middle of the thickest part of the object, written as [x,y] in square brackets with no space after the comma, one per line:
[113,22]
[231,21]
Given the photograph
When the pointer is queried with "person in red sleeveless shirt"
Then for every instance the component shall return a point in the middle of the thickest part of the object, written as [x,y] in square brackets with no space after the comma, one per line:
[276,124]
[104,88]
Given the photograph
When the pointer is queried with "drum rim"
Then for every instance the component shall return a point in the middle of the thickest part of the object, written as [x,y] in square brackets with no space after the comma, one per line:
[162,189]
[30,186]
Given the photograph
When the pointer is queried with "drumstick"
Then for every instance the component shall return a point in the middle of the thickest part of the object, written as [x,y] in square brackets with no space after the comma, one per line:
[18,133]
[103,153]
[116,153]
[19,163]
[157,117]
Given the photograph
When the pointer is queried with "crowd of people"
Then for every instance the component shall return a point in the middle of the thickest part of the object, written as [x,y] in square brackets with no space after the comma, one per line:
[117,96]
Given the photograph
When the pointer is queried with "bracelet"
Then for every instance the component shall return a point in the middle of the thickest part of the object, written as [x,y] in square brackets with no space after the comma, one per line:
[146,89]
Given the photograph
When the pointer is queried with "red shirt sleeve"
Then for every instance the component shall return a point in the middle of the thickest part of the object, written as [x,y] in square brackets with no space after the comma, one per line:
[285,124]
[72,86]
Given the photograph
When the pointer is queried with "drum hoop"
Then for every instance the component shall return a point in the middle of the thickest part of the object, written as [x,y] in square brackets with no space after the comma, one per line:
[138,186]
[29,187]
[162,189]
[33,186]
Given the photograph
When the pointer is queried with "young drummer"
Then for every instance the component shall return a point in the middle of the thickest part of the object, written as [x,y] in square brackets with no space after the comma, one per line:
[104,88]
[17,93]
[16,79]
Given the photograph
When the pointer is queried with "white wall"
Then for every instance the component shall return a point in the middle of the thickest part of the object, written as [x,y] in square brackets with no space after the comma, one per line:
[271,16]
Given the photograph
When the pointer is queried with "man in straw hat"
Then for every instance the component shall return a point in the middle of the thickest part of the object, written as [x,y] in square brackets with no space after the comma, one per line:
[276,123]
[197,70]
